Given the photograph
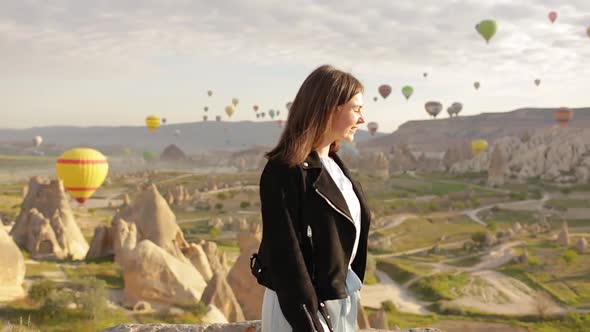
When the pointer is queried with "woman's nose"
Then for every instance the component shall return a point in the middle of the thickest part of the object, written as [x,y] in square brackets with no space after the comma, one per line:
[361,120]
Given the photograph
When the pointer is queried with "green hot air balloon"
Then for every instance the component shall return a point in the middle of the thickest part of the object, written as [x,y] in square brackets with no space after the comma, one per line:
[487,29]
[407,91]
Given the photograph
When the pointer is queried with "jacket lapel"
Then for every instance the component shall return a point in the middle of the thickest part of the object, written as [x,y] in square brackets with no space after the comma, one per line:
[325,185]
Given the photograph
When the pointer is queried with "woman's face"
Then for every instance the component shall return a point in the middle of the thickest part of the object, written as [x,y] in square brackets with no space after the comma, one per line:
[346,119]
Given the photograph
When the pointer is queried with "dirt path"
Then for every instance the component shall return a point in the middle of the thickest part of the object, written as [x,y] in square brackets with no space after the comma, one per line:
[502,295]
[373,295]
[528,205]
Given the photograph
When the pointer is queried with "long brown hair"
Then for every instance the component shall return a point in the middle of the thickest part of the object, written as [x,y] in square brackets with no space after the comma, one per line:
[310,116]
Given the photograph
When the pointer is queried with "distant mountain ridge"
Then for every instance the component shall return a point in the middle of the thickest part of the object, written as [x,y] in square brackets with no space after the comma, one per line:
[437,135]
[196,137]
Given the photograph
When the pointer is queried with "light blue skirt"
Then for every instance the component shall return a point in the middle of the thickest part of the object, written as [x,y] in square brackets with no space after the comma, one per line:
[343,312]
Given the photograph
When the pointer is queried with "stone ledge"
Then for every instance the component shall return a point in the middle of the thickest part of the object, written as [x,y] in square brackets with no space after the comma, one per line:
[249,326]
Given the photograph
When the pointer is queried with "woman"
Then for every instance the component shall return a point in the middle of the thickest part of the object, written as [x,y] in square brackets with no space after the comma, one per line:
[315,220]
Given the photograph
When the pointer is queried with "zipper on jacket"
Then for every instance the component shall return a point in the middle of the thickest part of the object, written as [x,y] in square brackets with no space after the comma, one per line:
[334,206]
[309,317]
[310,236]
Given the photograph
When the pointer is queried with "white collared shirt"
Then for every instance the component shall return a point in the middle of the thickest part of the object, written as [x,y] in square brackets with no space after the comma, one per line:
[350,197]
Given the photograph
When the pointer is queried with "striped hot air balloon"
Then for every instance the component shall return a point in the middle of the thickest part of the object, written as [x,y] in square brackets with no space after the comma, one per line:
[152,122]
[563,116]
[82,171]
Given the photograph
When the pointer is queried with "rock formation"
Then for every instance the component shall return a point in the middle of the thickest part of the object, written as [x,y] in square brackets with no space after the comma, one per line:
[220,294]
[153,274]
[564,236]
[582,245]
[154,221]
[248,292]
[45,225]
[555,154]
[198,258]
[401,159]
[497,167]
[12,269]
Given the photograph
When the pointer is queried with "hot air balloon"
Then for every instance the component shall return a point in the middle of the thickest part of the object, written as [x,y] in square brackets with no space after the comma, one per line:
[537,82]
[425,75]
[163,120]
[218,118]
[206,108]
[477,27]
[450,111]
[407,91]
[478,146]
[257,115]
[476,85]
[375,99]
[552,16]
[277,113]
[230,110]
[235,101]
[487,29]
[209,93]
[37,140]
[384,90]
[82,171]
[255,107]
[262,114]
[563,116]
[271,113]
[433,108]
[588,31]
[152,122]
[205,118]
[372,126]
[288,105]
[456,107]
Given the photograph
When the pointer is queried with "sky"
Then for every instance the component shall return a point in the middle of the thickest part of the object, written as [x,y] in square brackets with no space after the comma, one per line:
[86,63]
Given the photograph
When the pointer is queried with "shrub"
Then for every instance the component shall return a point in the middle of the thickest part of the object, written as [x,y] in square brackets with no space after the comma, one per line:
[219,206]
[569,256]
[91,297]
[389,306]
[479,238]
[244,205]
[55,304]
[493,227]
[458,206]
[40,291]
[222,196]
[214,232]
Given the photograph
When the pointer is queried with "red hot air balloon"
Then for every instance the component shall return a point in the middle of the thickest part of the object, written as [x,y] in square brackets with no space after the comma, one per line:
[255,107]
[384,90]
[372,126]
[476,85]
[563,116]
[552,16]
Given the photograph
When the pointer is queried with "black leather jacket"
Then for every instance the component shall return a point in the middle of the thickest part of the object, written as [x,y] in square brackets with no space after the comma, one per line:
[307,239]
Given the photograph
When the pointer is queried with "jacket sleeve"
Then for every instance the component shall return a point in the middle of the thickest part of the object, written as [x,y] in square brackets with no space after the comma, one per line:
[289,276]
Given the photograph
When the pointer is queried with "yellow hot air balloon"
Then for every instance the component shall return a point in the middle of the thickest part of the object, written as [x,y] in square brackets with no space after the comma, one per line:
[235,101]
[230,110]
[478,146]
[82,171]
[152,122]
